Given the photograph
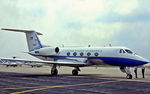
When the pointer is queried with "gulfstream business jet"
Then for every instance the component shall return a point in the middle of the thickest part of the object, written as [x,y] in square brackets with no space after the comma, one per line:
[79,56]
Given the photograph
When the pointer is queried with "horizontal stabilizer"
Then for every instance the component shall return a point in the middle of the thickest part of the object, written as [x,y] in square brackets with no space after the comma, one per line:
[19,30]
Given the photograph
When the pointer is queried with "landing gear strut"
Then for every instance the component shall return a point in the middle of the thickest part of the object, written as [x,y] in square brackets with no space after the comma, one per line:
[127,71]
[75,71]
[54,70]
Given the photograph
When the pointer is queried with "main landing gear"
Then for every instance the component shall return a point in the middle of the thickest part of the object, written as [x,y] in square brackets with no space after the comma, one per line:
[54,70]
[127,71]
[75,71]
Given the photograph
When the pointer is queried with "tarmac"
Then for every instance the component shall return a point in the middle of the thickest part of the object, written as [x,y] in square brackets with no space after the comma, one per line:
[91,80]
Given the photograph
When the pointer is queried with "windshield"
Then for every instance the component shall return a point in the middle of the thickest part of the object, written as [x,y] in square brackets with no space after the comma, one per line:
[122,51]
[128,51]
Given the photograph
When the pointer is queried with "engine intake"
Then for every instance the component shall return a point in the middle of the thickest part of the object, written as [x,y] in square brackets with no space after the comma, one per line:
[56,49]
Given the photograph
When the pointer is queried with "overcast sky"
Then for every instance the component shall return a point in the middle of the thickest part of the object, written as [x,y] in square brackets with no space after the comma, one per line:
[76,23]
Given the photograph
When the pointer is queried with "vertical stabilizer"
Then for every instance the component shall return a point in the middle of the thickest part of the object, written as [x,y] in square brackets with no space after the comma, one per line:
[33,41]
[32,38]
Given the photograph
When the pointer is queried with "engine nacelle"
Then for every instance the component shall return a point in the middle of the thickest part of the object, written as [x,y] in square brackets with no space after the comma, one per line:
[47,51]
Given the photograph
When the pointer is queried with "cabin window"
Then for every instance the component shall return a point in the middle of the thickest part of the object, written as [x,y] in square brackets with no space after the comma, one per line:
[68,54]
[96,54]
[128,51]
[88,54]
[81,54]
[75,54]
[122,51]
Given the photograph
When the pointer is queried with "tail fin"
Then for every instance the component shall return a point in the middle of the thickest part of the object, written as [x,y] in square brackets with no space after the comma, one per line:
[32,38]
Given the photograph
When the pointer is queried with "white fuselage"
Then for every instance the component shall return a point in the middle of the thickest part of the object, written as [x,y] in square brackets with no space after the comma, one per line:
[94,55]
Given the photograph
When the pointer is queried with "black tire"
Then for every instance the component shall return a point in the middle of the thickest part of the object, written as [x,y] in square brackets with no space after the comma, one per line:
[54,72]
[129,76]
[75,72]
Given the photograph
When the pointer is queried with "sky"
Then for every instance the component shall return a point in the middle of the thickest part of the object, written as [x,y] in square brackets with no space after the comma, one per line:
[76,23]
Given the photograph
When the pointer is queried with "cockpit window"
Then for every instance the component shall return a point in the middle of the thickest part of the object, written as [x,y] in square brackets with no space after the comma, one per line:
[128,51]
[122,51]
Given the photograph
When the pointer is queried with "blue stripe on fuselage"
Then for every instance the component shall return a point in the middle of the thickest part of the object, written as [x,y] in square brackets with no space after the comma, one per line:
[116,61]
[38,39]
[122,61]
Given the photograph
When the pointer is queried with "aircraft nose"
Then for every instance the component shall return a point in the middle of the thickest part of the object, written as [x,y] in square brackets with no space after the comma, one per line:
[144,59]
[147,61]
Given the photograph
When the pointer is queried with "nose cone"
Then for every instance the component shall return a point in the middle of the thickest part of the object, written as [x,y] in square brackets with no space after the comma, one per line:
[144,60]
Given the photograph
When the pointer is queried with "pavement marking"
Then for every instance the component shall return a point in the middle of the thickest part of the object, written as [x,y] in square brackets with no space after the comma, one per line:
[8,81]
[59,86]
[21,88]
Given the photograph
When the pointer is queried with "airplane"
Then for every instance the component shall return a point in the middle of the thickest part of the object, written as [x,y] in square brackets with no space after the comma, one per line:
[10,63]
[34,64]
[79,56]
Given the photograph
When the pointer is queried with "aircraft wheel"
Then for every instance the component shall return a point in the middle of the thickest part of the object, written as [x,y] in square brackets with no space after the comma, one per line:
[129,76]
[75,72]
[54,72]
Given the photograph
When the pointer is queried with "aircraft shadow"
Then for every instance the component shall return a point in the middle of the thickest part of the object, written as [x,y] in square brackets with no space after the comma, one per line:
[11,74]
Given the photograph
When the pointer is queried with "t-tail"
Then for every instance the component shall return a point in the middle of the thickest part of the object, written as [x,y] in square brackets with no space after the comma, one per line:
[32,38]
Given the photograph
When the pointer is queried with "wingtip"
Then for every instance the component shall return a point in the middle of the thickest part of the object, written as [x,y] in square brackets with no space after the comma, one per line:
[2,28]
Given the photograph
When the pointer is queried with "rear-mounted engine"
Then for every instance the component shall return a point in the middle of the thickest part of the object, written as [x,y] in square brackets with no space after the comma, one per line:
[47,51]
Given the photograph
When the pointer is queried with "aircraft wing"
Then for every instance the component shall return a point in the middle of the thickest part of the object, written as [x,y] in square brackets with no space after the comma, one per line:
[63,62]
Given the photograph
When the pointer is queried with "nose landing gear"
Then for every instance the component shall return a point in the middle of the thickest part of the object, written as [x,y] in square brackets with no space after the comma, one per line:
[127,71]
[129,76]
